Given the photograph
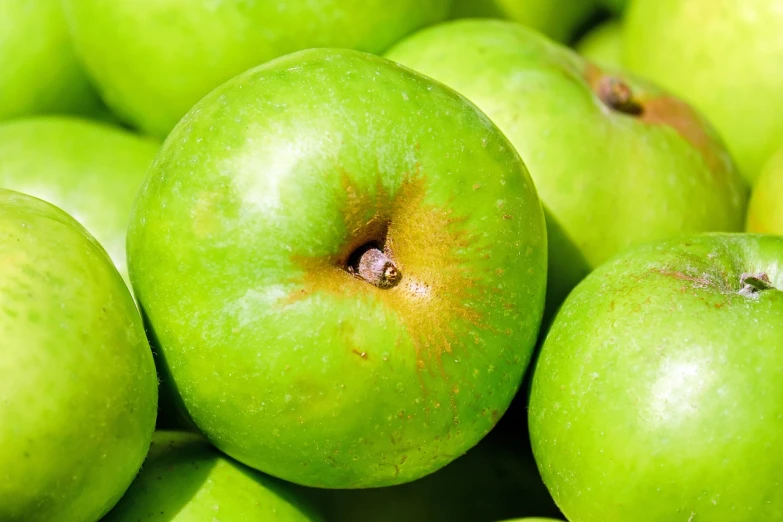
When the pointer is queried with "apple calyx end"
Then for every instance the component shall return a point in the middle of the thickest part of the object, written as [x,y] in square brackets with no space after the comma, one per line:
[618,96]
[752,284]
[376,268]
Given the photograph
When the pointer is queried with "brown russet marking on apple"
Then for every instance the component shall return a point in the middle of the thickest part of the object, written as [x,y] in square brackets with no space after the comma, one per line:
[676,274]
[675,113]
[425,244]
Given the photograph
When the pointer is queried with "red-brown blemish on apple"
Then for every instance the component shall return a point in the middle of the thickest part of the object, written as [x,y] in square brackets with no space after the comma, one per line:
[363,355]
[676,274]
[675,113]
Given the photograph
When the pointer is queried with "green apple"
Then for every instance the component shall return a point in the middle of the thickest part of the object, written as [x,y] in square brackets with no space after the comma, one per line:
[153,59]
[343,264]
[721,56]
[615,6]
[603,45]
[184,479]
[656,394]
[40,72]
[765,211]
[616,162]
[89,169]
[78,390]
[558,20]
[495,480]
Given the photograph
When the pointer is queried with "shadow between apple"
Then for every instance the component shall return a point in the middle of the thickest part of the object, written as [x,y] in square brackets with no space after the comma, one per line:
[496,480]
[566,267]
[172,414]
[173,473]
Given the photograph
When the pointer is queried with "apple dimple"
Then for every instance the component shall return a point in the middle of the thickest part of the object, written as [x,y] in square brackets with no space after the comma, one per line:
[375,267]
[426,242]
[655,109]
[752,284]
[618,96]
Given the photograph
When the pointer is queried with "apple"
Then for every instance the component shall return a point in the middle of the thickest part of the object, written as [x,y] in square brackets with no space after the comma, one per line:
[765,211]
[152,60]
[78,390]
[186,479]
[616,161]
[656,394]
[603,44]
[721,56]
[558,20]
[495,480]
[615,6]
[89,169]
[40,72]
[343,265]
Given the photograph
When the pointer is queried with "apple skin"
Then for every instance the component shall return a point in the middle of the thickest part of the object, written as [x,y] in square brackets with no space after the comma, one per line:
[605,177]
[152,60]
[495,480]
[558,20]
[78,391]
[615,6]
[40,72]
[717,54]
[238,250]
[184,479]
[603,45]
[765,211]
[656,393]
[89,169]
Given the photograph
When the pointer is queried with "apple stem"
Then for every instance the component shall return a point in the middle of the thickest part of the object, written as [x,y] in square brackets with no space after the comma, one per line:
[618,96]
[754,283]
[378,269]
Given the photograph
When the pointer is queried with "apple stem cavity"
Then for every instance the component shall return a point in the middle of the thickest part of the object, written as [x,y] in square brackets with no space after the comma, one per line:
[618,96]
[377,268]
[752,284]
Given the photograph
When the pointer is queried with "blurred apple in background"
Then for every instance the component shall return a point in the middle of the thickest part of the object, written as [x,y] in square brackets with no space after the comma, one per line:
[91,170]
[616,161]
[615,6]
[153,59]
[184,479]
[39,72]
[557,19]
[78,392]
[343,266]
[656,394]
[765,211]
[603,45]
[722,56]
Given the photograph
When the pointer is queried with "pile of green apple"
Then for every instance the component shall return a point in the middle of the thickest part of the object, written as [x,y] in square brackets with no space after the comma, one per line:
[370,261]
